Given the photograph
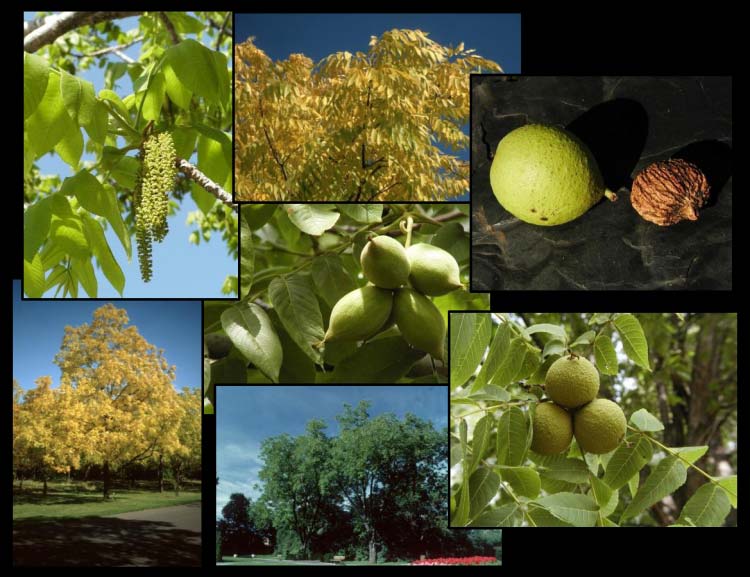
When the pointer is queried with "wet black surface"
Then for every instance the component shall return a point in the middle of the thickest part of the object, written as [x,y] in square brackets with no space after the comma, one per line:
[628,123]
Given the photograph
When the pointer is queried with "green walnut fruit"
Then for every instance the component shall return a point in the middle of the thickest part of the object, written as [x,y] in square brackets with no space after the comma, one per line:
[434,272]
[385,263]
[359,314]
[545,175]
[218,345]
[599,426]
[420,322]
[572,381]
[553,429]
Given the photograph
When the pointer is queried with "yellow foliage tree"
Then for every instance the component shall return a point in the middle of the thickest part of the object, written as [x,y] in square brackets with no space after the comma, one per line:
[122,394]
[380,125]
[188,453]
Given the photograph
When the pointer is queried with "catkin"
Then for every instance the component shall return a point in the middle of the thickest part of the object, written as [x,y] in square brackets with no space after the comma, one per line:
[151,196]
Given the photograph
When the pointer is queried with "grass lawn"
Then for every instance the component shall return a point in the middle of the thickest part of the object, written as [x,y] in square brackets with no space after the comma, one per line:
[268,560]
[75,500]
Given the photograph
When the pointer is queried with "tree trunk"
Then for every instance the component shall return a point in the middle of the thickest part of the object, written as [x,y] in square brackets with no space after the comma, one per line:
[373,551]
[107,481]
[161,474]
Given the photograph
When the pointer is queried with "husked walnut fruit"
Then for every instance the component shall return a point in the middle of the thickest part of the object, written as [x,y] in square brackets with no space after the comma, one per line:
[669,191]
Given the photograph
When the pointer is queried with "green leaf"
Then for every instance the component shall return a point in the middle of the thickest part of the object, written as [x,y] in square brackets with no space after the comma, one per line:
[331,279]
[645,421]
[96,128]
[512,433]
[103,253]
[503,516]
[50,122]
[78,98]
[578,510]
[585,339]
[125,172]
[366,213]
[206,375]
[496,355]
[215,165]
[222,73]
[195,67]
[553,347]
[253,334]
[555,330]
[297,366]
[510,364]
[176,90]
[258,215]
[247,255]
[89,191]
[605,355]
[483,486]
[229,371]
[33,277]
[153,100]
[461,516]
[633,339]
[708,507]
[599,318]
[626,461]
[690,454]
[208,408]
[68,233]
[70,147]
[185,24]
[601,492]
[294,300]
[633,484]
[35,78]
[479,441]
[313,219]
[83,271]
[544,518]
[469,336]
[384,360]
[525,481]
[36,221]
[729,484]
[454,239]
[667,477]
[113,98]
[561,468]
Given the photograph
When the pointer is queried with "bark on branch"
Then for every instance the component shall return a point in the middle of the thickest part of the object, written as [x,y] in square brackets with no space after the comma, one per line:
[56,25]
[209,185]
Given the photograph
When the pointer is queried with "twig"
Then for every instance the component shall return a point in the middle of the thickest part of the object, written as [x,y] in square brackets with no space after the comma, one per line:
[209,185]
[115,49]
[123,56]
[170,27]
[58,24]
[222,31]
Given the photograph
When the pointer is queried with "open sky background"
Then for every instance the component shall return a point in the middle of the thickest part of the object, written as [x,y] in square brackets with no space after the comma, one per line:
[181,269]
[493,36]
[248,415]
[39,326]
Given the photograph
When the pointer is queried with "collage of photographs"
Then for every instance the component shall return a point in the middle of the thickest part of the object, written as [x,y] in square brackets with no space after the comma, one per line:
[275,249]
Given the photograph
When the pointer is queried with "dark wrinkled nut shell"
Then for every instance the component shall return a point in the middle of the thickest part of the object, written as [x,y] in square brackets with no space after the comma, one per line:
[669,191]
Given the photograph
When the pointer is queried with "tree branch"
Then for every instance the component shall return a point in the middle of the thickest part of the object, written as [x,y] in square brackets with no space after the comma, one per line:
[54,26]
[208,185]
[222,31]
[170,27]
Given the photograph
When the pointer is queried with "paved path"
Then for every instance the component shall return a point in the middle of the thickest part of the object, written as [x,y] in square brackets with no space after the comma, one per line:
[167,536]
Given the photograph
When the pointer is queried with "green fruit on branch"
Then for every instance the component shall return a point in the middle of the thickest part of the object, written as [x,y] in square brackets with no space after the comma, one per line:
[572,381]
[545,175]
[385,263]
[434,271]
[420,322]
[359,314]
[218,345]
[553,429]
[599,426]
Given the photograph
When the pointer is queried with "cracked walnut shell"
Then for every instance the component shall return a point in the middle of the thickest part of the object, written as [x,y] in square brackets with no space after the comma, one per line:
[669,191]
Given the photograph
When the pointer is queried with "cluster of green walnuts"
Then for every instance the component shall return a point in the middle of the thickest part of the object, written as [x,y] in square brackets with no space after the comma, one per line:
[151,196]
[572,384]
[401,280]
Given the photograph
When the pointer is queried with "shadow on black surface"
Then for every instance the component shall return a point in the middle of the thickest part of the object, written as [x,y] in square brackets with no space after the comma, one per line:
[714,158]
[103,541]
[616,132]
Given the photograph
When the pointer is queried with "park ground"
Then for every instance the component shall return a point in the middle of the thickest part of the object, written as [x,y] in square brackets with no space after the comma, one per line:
[269,560]
[74,526]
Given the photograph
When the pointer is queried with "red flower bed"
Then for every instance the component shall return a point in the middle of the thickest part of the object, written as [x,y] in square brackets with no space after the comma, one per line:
[456,561]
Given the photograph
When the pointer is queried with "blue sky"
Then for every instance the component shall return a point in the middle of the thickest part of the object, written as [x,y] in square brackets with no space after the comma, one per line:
[38,329]
[247,415]
[494,36]
[176,261]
